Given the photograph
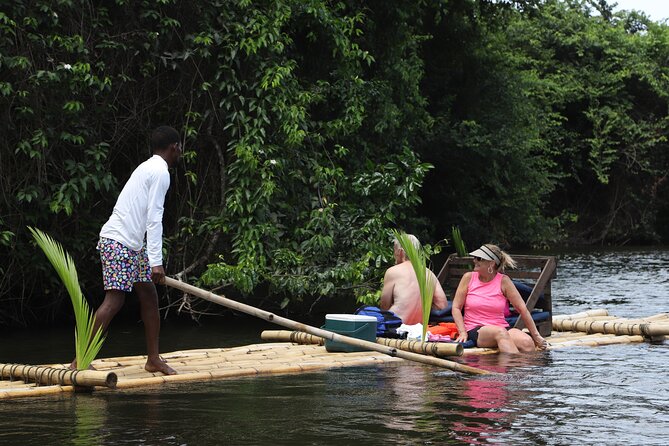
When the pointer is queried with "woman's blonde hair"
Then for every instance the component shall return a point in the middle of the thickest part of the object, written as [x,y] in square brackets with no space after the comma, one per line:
[506,261]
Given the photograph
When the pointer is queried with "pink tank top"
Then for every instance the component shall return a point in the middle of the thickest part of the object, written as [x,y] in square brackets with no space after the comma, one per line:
[485,303]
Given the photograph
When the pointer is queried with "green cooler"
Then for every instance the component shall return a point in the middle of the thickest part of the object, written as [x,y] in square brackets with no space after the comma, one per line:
[352,325]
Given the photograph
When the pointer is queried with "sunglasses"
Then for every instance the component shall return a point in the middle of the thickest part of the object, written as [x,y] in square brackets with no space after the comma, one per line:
[478,259]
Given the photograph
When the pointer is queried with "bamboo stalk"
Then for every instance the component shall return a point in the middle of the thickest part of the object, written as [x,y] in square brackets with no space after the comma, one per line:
[595,312]
[140,382]
[654,329]
[559,336]
[592,341]
[480,351]
[7,384]
[599,318]
[425,348]
[618,328]
[296,337]
[62,376]
[657,317]
[206,295]
[33,391]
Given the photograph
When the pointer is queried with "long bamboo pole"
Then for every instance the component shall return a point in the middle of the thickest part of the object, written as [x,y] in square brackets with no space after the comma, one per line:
[367,345]
[424,348]
[61,376]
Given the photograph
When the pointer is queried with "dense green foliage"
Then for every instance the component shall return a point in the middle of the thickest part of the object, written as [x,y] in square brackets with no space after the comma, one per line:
[312,128]
[551,123]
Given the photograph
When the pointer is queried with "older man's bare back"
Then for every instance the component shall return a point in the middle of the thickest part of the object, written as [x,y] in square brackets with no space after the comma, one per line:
[401,294]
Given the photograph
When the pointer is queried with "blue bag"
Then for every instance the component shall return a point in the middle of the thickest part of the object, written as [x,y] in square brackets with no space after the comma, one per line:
[387,322]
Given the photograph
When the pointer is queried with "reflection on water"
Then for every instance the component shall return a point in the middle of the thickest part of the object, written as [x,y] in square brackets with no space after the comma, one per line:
[480,415]
[615,393]
[483,413]
[89,419]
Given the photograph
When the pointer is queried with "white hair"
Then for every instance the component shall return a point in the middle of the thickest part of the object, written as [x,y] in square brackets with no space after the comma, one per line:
[412,238]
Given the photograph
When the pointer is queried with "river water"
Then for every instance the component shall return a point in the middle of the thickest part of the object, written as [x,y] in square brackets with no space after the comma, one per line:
[595,395]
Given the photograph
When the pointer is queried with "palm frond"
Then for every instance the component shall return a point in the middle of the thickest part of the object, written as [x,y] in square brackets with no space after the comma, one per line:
[458,243]
[87,345]
[426,280]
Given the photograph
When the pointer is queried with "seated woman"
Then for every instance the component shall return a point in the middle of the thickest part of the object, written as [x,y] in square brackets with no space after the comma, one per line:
[484,294]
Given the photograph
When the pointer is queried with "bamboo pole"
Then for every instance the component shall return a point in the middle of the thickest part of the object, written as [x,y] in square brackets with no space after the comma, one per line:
[206,295]
[607,318]
[296,337]
[33,391]
[583,314]
[62,376]
[617,328]
[425,348]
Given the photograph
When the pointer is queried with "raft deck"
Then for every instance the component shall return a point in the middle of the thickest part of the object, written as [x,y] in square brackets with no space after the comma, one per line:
[286,357]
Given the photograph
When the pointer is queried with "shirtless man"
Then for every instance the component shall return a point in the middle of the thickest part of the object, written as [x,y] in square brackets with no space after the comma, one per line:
[401,293]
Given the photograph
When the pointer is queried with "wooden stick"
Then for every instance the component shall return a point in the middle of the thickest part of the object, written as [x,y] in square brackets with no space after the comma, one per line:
[62,376]
[547,272]
[367,345]
[426,348]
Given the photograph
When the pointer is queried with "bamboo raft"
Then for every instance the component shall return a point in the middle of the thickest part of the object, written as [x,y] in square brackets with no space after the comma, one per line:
[591,328]
[298,352]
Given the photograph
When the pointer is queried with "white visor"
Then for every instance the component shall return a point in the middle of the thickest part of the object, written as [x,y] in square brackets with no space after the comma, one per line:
[486,254]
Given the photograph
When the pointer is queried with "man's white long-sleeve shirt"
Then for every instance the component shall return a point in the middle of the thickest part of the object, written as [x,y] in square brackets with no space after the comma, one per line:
[139,210]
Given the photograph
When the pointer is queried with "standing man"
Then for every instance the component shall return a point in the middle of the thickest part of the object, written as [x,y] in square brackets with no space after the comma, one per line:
[401,293]
[131,243]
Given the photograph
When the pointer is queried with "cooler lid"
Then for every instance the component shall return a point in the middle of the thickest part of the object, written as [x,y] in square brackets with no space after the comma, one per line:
[350,318]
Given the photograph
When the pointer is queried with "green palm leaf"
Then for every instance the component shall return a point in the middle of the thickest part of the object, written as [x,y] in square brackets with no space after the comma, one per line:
[87,345]
[426,280]
[458,243]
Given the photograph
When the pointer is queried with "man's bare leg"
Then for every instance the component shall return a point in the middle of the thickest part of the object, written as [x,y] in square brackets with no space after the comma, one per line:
[148,303]
[114,300]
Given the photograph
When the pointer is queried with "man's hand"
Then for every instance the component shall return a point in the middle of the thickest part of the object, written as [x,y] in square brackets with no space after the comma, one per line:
[158,274]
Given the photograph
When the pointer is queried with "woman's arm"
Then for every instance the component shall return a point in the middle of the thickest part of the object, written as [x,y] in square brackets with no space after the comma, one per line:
[509,290]
[458,305]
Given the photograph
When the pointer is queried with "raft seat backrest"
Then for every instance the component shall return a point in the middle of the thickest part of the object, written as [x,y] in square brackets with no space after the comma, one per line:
[536,271]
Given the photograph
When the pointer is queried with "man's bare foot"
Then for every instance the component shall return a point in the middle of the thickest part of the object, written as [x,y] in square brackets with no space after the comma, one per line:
[159,365]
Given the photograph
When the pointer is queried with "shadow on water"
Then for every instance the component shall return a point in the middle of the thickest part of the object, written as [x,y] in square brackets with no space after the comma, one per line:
[56,345]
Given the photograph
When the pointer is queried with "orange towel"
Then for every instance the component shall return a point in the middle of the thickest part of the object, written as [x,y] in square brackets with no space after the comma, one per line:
[444,328]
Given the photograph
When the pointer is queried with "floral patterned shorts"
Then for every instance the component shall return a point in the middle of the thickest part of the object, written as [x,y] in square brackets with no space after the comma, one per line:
[121,266]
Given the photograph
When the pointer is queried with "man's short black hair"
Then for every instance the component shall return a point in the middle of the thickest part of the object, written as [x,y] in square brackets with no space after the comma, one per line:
[162,137]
